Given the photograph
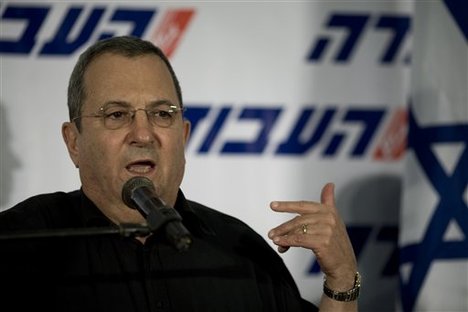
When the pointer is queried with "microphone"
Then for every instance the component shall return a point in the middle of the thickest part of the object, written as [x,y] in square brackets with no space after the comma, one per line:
[139,193]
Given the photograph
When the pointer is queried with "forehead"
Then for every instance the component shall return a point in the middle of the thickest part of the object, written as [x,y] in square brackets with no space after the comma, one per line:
[113,77]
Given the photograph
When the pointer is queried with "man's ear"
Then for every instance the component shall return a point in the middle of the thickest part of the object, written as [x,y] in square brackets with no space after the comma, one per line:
[70,135]
[187,127]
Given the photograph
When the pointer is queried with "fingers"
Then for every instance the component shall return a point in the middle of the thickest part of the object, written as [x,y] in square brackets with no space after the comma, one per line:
[290,227]
[283,249]
[317,242]
[310,213]
[314,222]
[318,227]
[327,196]
[309,231]
[299,207]
[320,219]
[303,207]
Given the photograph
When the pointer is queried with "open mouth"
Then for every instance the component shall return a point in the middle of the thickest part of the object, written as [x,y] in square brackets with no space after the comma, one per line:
[141,167]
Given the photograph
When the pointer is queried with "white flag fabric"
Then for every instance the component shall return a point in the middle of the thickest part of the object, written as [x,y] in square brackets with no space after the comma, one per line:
[434,221]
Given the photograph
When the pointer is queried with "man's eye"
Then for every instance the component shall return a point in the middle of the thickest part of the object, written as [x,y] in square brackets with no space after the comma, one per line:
[162,114]
[116,115]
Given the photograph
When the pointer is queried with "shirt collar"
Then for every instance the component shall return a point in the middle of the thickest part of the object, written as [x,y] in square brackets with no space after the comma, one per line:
[91,216]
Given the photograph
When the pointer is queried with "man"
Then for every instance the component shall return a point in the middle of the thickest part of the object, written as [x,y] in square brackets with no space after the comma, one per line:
[126,120]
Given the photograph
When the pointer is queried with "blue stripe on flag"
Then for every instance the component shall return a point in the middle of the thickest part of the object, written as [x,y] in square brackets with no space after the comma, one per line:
[451,206]
[459,11]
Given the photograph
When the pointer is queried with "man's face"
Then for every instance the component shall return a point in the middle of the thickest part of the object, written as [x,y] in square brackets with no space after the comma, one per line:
[108,158]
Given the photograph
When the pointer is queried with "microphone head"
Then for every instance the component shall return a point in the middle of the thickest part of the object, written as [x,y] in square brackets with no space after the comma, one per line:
[131,185]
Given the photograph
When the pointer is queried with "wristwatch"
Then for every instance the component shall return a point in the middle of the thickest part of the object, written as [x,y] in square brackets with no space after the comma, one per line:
[349,295]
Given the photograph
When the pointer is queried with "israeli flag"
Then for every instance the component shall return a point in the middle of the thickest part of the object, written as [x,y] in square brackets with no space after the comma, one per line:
[434,221]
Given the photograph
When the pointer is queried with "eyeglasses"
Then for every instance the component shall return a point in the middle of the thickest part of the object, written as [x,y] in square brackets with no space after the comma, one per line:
[116,116]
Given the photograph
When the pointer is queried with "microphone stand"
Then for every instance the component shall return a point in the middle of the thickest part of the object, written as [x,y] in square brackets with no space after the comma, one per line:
[125,230]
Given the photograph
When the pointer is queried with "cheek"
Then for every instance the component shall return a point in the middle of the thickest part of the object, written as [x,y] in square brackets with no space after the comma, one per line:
[175,157]
[179,150]
[98,154]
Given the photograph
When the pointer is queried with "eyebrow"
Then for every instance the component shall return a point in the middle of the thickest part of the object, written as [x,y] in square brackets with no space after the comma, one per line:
[127,104]
[161,102]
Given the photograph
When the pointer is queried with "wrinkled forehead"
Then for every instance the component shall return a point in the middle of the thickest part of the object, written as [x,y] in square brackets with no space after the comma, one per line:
[113,77]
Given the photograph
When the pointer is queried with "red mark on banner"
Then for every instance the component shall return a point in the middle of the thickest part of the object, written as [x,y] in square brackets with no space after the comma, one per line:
[171,29]
[392,144]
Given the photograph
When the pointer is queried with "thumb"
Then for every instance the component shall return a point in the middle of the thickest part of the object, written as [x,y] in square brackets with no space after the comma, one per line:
[328,194]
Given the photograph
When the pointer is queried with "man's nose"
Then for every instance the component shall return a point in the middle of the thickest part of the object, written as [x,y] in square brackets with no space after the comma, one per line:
[141,128]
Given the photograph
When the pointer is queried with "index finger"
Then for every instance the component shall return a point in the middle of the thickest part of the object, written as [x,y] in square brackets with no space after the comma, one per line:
[300,207]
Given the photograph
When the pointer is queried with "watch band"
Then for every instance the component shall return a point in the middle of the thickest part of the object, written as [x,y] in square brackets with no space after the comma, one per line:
[349,295]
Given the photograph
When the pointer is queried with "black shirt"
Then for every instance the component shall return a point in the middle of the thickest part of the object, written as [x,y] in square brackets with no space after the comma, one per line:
[228,267]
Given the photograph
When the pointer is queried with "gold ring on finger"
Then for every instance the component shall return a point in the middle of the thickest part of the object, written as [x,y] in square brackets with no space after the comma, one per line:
[304,229]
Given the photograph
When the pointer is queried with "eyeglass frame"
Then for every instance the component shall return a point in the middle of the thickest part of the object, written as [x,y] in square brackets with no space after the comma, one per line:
[132,112]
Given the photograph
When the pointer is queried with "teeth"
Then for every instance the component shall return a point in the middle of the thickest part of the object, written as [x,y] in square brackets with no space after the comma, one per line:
[139,168]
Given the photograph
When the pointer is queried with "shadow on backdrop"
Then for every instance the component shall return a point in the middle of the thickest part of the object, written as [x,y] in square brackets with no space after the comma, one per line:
[371,207]
[8,161]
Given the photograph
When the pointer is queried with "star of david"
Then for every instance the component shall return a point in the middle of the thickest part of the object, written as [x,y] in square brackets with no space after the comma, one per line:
[450,208]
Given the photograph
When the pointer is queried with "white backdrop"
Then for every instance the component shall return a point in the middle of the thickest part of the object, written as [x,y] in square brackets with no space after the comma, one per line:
[244,68]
